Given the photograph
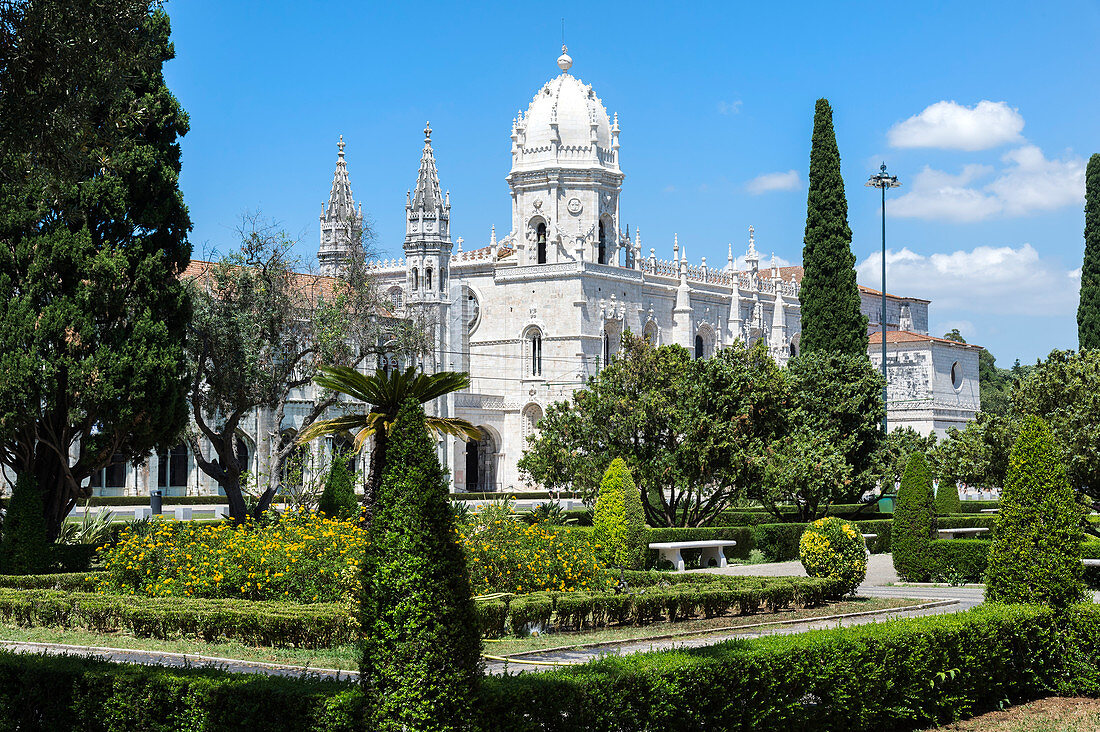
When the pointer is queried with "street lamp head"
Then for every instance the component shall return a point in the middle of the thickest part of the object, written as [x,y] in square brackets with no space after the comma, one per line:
[883,180]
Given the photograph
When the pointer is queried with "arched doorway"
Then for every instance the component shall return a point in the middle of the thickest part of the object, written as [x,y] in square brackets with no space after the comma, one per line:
[481,458]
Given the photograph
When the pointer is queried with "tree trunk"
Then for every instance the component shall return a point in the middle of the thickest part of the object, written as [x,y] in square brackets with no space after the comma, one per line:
[59,491]
[374,474]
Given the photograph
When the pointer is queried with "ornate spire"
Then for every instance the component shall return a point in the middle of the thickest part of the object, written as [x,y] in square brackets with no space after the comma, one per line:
[565,61]
[752,258]
[341,205]
[428,196]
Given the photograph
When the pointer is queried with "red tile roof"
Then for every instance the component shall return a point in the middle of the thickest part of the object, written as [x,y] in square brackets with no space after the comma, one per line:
[905,336]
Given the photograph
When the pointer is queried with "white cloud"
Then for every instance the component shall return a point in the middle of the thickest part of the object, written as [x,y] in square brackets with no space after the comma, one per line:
[789,181]
[955,127]
[996,280]
[766,262]
[1029,183]
[729,108]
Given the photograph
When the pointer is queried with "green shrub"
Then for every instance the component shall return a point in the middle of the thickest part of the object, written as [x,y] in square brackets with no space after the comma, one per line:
[69,581]
[958,561]
[831,547]
[618,521]
[24,549]
[338,498]
[947,498]
[420,642]
[1036,552]
[779,542]
[977,506]
[269,624]
[912,530]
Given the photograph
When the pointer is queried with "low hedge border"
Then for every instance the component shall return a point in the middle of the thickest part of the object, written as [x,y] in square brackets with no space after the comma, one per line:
[958,561]
[978,506]
[271,624]
[653,598]
[894,675]
[68,581]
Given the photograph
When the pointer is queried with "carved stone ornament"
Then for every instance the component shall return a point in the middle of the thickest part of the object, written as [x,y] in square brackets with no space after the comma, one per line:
[574,206]
[537,204]
[429,226]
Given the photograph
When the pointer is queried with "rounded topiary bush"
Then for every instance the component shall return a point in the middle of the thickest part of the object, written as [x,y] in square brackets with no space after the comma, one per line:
[947,498]
[834,548]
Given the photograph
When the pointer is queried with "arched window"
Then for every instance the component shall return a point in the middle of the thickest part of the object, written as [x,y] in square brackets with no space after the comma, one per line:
[698,346]
[540,245]
[532,415]
[442,279]
[794,350]
[534,347]
[602,259]
[606,348]
[396,297]
[415,280]
[650,333]
[344,447]
[428,279]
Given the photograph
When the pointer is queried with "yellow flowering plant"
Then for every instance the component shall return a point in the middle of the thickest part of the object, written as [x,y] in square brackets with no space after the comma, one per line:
[832,547]
[506,555]
[299,556]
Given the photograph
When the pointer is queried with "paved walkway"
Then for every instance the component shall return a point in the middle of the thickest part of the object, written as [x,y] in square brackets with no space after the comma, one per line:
[879,583]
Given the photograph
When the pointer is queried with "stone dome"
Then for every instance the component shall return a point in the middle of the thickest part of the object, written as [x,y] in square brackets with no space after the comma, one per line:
[565,111]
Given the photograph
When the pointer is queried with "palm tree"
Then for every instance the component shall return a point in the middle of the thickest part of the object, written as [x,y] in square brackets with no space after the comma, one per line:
[385,392]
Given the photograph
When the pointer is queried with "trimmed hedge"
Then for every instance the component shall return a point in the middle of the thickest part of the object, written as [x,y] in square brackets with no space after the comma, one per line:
[255,623]
[912,530]
[516,495]
[958,561]
[977,506]
[894,675]
[68,581]
[652,598]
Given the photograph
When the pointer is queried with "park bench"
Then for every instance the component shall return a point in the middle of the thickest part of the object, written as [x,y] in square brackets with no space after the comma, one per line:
[670,550]
[955,533]
[990,510]
[1091,562]
[867,539]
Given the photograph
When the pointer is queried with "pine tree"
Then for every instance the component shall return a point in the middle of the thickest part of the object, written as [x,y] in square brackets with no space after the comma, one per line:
[1035,557]
[1088,311]
[338,498]
[420,663]
[912,530]
[24,549]
[831,320]
[618,521]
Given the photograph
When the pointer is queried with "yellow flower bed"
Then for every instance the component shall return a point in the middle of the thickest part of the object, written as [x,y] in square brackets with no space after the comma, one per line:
[831,547]
[300,557]
[506,555]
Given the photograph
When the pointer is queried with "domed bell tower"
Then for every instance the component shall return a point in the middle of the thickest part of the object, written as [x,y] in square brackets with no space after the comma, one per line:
[565,178]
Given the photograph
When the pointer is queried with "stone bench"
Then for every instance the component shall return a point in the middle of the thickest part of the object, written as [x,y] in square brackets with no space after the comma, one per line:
[867,539]
[989,510]
[954,533]
[670,550]
[1091,562]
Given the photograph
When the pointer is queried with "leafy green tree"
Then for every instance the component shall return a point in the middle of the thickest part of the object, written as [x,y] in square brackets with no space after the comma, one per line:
[947,498]
[1065,391]
[693,432]
[893,454]
[1088,311]
[831,319]
[1035,557]
[93,237]
[618,522]
[338,498]
[260,332]
[420,643]
[977,455]
[805,469]
[24,549]
[911,534]
[384,393]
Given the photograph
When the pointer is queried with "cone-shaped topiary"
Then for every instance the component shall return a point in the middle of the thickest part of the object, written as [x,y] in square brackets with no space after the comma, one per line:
[1036,553]
[911,533]
[338,498]
[947,498]
[25,549]
[420,644]
[618,521]
[1088,309]
[831,318]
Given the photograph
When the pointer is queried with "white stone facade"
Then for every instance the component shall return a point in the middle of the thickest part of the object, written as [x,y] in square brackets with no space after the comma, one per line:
[533,315]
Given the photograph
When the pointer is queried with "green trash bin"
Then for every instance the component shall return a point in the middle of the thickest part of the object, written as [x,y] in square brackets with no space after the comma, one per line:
[886,504]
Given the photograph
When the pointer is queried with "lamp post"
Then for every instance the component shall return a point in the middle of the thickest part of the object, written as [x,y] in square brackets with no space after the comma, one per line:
[883,181]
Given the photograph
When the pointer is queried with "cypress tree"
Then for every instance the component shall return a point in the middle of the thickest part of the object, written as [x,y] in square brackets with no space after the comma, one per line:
[24,549]
[1088,310]
[1035,557]
[947,498]
[831,320]
[420,647]
[618,521]
[338,498]
[912,530]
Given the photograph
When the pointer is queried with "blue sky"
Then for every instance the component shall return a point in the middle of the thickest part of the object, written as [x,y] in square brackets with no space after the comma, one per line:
[986,111]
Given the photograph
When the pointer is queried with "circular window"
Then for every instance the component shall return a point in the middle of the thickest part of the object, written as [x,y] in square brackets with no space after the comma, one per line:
[956,375]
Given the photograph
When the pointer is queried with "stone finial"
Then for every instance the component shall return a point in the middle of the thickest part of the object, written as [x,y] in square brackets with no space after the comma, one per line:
[565,61]
[340,146]
[460,244]
[675,248]
[428,133]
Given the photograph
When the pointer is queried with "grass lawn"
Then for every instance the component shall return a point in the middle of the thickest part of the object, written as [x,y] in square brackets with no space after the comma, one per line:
[345,657]
[1054,714]
[507,645]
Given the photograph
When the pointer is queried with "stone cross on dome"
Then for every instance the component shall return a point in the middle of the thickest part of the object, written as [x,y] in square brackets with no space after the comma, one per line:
[428,132]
